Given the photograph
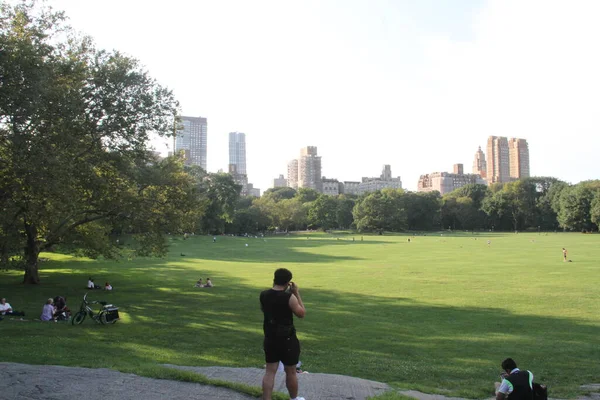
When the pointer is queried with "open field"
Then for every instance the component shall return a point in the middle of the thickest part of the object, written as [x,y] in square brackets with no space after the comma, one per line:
[437,314]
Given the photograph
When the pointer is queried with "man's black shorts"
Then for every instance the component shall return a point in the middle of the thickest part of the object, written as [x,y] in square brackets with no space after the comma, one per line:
[286,350]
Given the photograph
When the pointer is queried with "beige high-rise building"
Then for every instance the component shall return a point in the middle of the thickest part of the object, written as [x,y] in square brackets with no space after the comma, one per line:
[446,182]
[519,158]
[479,164]
[498,160]
[309,169]
[292,180]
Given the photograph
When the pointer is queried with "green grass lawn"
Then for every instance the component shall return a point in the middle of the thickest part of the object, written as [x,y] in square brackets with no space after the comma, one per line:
[437,314]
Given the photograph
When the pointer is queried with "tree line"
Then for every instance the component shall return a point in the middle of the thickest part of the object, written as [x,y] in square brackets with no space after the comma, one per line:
[534,204]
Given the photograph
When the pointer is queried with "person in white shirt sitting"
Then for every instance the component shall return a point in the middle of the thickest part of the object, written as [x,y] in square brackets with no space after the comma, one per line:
[199,283]
[6,309]
[208,283]
[107,286]
[92,285]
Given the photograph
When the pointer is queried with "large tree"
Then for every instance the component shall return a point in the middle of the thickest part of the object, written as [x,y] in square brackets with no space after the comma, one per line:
[322,212]
[221,195]
[384,210]
[595,209]
[74,127]
[575,206]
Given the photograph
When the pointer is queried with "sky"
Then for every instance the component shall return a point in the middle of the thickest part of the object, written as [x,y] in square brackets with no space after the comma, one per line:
[418,85]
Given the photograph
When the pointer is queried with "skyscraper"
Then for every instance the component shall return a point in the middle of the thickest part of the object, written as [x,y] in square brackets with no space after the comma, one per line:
[309,169]
[519,158]
[479,164]
[498,160]
[292,174]
[237,151]
[192,137]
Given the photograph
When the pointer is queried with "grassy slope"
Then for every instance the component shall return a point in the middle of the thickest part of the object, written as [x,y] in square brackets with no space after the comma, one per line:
[439,313]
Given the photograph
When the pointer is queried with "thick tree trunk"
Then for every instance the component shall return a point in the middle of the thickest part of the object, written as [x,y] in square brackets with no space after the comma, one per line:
[32,251]
[4,257]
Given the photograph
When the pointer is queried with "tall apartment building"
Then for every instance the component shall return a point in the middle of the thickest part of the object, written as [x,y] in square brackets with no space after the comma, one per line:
[280,182]
[519,158]
[309,169]
[292,173]
[192,137]
[479,164]
[237,151]
[498,160]
[446,182]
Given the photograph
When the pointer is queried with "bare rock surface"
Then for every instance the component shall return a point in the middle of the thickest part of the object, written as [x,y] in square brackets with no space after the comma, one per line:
[312,386]
[50,382]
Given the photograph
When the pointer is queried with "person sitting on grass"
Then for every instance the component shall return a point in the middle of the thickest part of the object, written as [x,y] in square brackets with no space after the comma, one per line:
[48,311]
[6,309]
[199,283]
[91,284]
[61,311]
[208,283]
[516,384]
[107,286]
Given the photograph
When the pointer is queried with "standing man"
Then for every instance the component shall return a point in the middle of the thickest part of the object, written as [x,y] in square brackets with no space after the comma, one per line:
[517,384]
[564,255]
[279,305]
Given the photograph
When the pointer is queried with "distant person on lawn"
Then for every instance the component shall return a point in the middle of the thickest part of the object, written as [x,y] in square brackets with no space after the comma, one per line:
[564,254]
[92,285]
[107,286]
[516,384]
[279,304]
[6,309]
[208,283]
[199,283]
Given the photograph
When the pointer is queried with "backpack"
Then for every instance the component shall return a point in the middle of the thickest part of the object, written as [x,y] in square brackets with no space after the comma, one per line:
[540,392]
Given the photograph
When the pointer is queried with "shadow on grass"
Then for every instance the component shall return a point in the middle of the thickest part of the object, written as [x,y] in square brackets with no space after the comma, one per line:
[394,340]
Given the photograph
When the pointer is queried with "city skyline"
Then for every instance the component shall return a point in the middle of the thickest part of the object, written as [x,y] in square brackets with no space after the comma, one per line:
[372,81]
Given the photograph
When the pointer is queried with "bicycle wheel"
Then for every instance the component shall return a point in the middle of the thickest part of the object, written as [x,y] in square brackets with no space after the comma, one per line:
[103,319]
[78,318]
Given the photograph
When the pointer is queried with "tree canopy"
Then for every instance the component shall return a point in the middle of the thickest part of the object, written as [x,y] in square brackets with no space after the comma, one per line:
[75,123]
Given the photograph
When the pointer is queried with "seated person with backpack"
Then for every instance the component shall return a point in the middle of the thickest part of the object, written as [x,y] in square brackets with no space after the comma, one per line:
[517,384]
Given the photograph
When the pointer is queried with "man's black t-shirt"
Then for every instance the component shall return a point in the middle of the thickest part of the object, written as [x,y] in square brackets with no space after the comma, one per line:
[278,316]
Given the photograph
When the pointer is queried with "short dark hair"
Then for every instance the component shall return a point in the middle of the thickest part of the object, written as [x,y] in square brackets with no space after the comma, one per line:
[509,364]
[283,276]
